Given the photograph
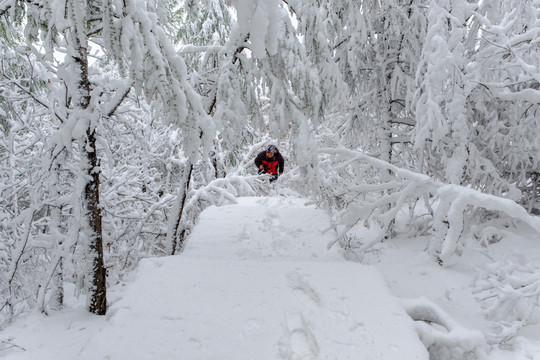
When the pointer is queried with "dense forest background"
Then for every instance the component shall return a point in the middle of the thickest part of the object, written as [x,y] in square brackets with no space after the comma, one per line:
[121,120]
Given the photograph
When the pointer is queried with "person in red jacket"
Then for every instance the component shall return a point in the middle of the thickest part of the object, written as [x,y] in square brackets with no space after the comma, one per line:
[270,162]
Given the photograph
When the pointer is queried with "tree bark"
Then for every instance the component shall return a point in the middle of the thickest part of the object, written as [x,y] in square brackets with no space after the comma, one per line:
[181,204]
[92,207]
[98,294]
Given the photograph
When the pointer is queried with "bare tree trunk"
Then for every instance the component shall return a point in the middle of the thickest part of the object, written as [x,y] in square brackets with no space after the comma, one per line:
[98,294]
[82,97]
[176,239]
[57,296]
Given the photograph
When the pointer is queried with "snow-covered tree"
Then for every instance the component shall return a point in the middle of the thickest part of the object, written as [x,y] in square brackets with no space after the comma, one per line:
[218,74]
[506,99]
[24,183]
[441,107]
[83,98]
[476,103]
[377,46]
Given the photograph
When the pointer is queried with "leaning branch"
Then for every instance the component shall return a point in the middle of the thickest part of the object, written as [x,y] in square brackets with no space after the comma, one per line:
[119,99]
[391,195]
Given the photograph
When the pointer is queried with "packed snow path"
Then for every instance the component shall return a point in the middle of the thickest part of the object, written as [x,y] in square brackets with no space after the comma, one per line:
[255,281]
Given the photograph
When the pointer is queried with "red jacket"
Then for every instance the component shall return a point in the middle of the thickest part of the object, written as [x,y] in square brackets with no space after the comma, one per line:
[273,165]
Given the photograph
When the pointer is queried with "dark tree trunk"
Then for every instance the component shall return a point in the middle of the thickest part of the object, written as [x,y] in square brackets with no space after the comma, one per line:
[57,298]
[98,297]
[178,239]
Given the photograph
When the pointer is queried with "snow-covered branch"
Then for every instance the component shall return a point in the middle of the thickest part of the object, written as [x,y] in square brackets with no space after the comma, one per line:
[508,292]
[451,203]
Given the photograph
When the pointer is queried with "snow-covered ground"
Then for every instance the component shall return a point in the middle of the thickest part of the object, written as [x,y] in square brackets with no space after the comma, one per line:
[256,281]
[412,273]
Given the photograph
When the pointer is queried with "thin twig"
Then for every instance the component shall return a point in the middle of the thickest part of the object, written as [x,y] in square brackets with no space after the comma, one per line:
[12,345]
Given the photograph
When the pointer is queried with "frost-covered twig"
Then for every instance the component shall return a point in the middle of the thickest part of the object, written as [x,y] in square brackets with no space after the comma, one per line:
[508,292]
[28,216]
[10,345]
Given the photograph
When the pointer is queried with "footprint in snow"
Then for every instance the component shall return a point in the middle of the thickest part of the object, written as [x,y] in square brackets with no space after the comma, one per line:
[302,344]
[304,290]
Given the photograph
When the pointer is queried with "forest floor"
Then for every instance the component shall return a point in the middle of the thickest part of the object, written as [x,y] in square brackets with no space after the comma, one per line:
[256,281]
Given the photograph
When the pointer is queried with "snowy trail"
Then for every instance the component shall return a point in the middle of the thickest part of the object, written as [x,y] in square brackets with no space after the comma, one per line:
[254,282]
[281,229]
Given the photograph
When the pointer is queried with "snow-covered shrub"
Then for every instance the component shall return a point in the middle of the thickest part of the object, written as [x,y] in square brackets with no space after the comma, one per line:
[444,338]
[508,291]
[140,166]
[477,98]
[505,98]
[25,180]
